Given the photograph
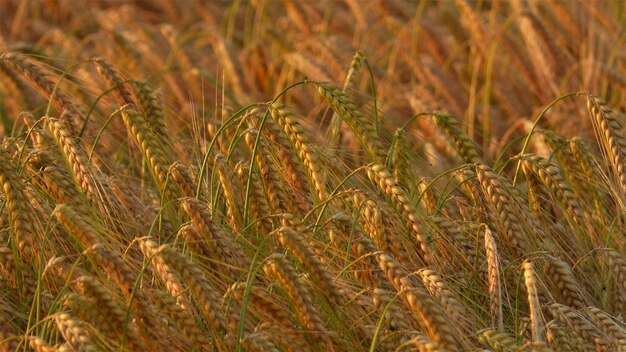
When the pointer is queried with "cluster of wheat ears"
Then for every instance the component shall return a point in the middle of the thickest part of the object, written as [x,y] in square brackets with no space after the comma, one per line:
[461,188]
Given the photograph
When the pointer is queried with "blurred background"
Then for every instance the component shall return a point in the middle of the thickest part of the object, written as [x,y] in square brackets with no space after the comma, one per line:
[492,64]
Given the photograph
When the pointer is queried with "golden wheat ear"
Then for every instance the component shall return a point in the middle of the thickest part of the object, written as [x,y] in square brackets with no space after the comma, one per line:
[279,269]
[201,288]
[610,133]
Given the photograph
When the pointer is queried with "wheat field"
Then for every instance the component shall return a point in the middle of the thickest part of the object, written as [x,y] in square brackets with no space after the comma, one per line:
[324,175]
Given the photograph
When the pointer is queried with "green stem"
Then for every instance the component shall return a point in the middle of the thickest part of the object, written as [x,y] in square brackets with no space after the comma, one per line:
[527,141]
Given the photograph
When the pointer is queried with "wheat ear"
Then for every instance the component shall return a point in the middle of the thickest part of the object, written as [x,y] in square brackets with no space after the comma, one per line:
[506,210]
[232,209]
[191,273]
[493,277]
[276,190]
[464,145]
[562,341]
[115,79]
[39,345]
[152,149]
[443,294]
[279,269]
[365,129]
[297,136]
[20,210]
[258,342]
[617,265]
[41,81]
[609,129]
[609,325]
[259,207]
[552,177]
[182,175]
[295,243]
[112,263]
[186,322]
[498,340]
[263,302]
[530,279]
[577,321]
[430,313]
[561,275]
[289,341]
[113,315]
[75,156]
[74,333]
[380,176]
[151,106]
[229,250]
[172,283]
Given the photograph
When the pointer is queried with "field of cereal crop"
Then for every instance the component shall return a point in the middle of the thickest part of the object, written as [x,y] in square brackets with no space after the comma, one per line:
[331,175]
